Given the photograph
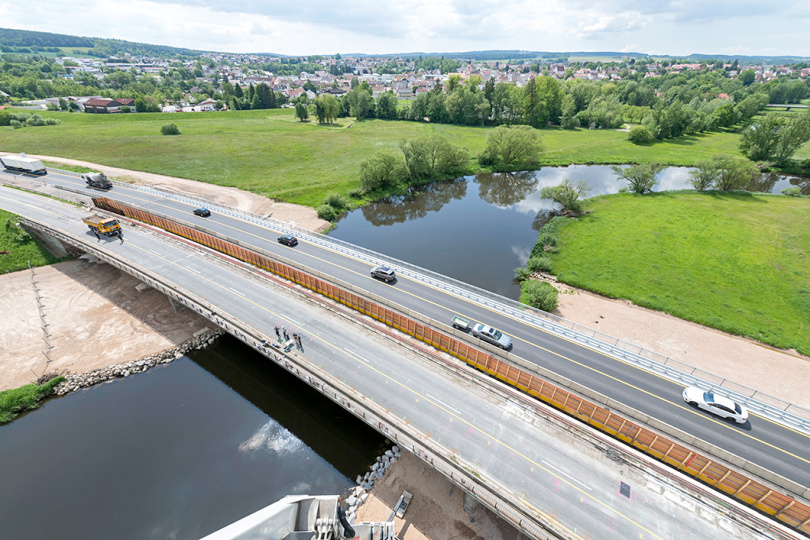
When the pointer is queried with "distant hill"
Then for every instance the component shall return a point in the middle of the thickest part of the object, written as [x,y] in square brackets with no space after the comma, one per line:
[26,41]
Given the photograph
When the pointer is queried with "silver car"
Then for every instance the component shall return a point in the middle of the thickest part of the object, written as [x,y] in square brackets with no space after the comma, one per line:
[719,405]
[491,335]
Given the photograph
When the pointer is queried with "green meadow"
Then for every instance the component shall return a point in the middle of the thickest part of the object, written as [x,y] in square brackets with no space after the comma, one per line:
[273,154]
[737,262]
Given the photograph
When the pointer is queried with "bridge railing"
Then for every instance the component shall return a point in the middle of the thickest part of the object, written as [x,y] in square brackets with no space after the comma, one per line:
[497,498]
[563,394]
[775,408]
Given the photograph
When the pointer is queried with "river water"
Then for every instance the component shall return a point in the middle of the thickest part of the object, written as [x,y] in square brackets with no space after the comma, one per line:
[478,229]
[176,452]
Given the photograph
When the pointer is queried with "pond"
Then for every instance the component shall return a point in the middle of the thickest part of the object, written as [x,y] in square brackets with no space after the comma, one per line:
[478,229]
[176,452]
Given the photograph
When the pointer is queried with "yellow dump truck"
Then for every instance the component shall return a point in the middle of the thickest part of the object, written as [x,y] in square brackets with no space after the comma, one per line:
[103,225]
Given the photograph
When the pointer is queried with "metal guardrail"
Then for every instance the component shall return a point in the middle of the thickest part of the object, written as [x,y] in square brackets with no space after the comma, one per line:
[490,493]
[729,480]
[764,404]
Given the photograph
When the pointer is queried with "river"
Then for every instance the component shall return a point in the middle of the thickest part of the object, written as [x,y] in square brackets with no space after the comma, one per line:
[478,229]
[176,452]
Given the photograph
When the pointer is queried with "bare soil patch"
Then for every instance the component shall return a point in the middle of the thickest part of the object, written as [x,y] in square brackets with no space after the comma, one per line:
[96,318]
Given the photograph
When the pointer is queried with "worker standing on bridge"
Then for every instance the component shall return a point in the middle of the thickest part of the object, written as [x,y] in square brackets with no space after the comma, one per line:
[278,334]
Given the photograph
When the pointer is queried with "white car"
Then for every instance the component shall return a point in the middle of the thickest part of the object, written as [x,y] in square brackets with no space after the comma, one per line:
[489,334]
[715,404]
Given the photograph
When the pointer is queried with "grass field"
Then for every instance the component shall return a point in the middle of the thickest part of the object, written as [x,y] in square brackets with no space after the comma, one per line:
[20,249]
[269,152]
[735,262]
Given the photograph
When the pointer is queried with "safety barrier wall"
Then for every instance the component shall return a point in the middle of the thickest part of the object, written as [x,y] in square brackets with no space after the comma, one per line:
[782,507]
[766,405]
[491,495]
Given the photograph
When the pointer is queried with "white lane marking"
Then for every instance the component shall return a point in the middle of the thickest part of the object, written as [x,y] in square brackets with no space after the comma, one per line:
[355,354]
[437,400]
[566,474]
[237,292]
[293,321]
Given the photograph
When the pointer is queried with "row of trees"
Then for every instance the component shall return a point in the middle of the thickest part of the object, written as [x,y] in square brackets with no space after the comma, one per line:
[433,157]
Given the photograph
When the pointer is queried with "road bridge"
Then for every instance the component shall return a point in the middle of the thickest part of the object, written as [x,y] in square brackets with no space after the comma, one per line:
[244,314]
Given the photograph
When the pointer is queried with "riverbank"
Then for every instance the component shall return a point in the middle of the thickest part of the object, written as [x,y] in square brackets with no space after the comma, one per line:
[97,316]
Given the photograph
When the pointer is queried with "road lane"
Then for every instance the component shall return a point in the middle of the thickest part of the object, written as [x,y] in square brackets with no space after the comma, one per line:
[762,441]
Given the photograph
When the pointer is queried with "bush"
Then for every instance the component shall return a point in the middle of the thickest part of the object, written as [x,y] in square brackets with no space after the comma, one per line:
[336,201]
[640,135]
[52,121]
[327,212]
[522,273]
[355,193]
[539,263]
[125,109]
[792,191]
[170,129]
[16,124]
[35,120]
[539,294]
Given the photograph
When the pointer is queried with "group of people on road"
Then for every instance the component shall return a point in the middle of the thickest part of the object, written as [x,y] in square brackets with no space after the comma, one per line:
[283,335]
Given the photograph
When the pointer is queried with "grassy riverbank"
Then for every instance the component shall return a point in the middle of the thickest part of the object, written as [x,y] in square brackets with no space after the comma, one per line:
[271,153]
[26,398]
[736,262]
[20,246]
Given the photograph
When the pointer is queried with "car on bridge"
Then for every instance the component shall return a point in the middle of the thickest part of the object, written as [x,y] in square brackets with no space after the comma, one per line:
[202,212]
[491,335]
[288,240]
[384,273]
[715,404]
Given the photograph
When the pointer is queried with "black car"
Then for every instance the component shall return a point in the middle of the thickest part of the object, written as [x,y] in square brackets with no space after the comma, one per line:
[288,239]
[384,273]
[202,212]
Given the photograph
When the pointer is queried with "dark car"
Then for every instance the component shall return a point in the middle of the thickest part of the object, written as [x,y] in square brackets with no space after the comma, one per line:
[202,212]
[288,239]
[384,273]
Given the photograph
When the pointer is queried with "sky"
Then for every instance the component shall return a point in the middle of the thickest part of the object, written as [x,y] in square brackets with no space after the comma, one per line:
[327,27]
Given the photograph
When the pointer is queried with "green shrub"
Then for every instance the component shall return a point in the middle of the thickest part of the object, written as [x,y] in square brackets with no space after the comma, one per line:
[355,193]
[52,121]
[336,201]
[35,120]
[16,124]
[522,273]
[539,263]
[539,294]
[792,191]
[640,135]
[327,212]
[170,129]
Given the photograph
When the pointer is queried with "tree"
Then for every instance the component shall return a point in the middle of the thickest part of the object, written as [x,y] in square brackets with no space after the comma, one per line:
[326,108]
[566,195]
[776,138]
[169,129]
[642,176]
[432,157]
[301,112]
[382,170]
[140,104]
[747,77]
[732,172]
[387,106]
[512,148]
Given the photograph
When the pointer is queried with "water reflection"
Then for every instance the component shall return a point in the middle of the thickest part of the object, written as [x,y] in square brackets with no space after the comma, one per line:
[506,189]
[419,203]
[488,224]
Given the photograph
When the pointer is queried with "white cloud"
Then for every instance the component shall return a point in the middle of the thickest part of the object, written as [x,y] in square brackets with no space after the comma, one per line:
[326,27]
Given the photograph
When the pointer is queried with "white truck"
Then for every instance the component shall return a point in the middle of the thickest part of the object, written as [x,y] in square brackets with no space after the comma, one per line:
[23,164]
